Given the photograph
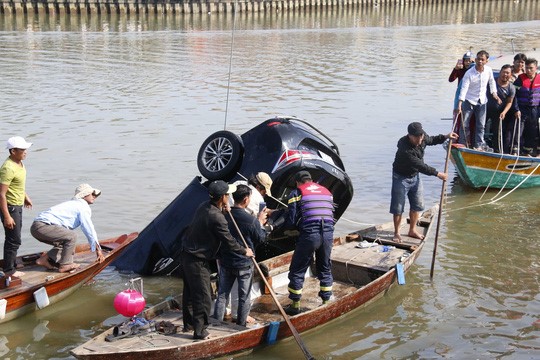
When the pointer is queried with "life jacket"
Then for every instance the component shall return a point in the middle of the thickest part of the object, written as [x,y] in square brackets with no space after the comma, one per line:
[316,203]
[529,92]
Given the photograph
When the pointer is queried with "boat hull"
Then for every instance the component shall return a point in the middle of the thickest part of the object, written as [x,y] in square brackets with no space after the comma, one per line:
[480,169]
[58,286]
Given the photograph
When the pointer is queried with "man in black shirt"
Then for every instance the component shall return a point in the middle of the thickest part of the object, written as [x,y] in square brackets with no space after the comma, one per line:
[408,164]
[208,231]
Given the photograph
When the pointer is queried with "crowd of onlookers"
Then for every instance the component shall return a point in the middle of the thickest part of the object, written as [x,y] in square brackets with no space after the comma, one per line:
[509,105]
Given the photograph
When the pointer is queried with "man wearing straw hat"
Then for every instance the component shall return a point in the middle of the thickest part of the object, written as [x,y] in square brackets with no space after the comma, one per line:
[56,225]
[261,185]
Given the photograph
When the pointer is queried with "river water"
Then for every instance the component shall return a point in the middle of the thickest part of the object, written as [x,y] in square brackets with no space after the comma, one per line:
[124,103]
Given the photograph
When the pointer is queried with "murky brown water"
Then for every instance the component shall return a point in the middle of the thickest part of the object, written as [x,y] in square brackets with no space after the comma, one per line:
[125,102]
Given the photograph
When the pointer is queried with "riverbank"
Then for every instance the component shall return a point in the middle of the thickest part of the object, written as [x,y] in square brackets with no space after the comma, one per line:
[21,7]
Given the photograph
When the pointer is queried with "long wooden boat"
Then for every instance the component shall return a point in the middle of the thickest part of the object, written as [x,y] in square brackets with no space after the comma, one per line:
[361,275]
[51,286]
[480,169]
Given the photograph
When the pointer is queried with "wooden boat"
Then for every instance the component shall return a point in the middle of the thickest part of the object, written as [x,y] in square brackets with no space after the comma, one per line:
[480,169]
[361,275]
[51,286]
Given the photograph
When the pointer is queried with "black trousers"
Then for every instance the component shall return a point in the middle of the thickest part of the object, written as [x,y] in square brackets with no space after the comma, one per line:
[13,239]
[197,292]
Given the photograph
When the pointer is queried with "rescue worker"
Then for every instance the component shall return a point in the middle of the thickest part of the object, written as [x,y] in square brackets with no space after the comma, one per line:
[311,212]
[528,107]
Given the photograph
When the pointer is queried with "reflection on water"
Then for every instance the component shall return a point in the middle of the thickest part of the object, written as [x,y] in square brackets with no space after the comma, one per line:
[4,349]
[383,15]
[126,111]
[493,251]
[41,330]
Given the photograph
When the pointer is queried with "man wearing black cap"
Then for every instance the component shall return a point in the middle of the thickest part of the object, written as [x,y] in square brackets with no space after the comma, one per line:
[406,182]
[208,231]
[311,211]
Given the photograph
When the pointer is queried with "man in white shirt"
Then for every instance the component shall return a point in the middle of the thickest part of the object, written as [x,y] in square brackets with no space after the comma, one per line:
[260,186]
[473,100]
[56,225]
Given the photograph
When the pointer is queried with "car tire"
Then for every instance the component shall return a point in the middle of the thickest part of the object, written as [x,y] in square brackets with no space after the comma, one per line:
[220,156]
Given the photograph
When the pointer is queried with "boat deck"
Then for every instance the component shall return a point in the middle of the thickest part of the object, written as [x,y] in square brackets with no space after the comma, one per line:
[35,275]
[263,310]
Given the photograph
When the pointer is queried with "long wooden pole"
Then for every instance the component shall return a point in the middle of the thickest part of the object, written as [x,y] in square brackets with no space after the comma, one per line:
[443,192]
[274,297]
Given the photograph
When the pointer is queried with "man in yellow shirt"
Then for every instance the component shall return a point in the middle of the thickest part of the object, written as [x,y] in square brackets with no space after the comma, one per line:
[12,199]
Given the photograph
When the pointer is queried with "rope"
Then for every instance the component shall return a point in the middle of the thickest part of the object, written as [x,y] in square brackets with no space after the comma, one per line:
[518,119]
[347,266]
[355,222]
[499,141]
[500,159]
[518,185]
[230,64]
[513,168]
[494,199]
[502,197]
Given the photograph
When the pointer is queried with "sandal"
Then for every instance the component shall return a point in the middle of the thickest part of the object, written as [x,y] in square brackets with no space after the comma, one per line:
[166,328]
[120,332]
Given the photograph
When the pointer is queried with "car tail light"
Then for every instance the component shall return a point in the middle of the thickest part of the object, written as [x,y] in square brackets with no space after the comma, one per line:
[291,156]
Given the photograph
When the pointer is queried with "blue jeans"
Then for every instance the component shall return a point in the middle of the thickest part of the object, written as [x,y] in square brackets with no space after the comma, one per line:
[227,277]
[479,111]
[403,186]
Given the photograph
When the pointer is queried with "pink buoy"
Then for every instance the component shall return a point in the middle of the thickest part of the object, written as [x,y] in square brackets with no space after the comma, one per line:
[129,302]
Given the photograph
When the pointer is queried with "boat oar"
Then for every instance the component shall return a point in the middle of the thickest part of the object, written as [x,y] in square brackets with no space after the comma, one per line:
[443,192]
[274,297]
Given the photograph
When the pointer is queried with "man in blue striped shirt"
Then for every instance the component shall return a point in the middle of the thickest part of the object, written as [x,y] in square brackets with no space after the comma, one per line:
[56,225]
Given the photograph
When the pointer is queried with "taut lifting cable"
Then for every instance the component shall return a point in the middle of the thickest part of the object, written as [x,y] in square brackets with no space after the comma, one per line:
[230,64]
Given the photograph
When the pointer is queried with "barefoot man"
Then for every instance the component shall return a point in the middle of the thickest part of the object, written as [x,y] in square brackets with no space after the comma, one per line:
[406,182]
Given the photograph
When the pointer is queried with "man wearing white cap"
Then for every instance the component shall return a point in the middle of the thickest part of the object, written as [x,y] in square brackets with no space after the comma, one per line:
[12,199]
[56,225]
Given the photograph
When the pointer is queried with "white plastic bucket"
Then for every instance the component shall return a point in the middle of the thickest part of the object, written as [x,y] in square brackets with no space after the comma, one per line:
[3,304]
[41,298]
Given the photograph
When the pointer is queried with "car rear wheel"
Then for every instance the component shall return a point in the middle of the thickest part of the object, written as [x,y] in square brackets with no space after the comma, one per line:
[220,155]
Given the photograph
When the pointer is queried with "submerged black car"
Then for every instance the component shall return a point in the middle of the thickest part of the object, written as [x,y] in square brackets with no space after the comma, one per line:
[280,146]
